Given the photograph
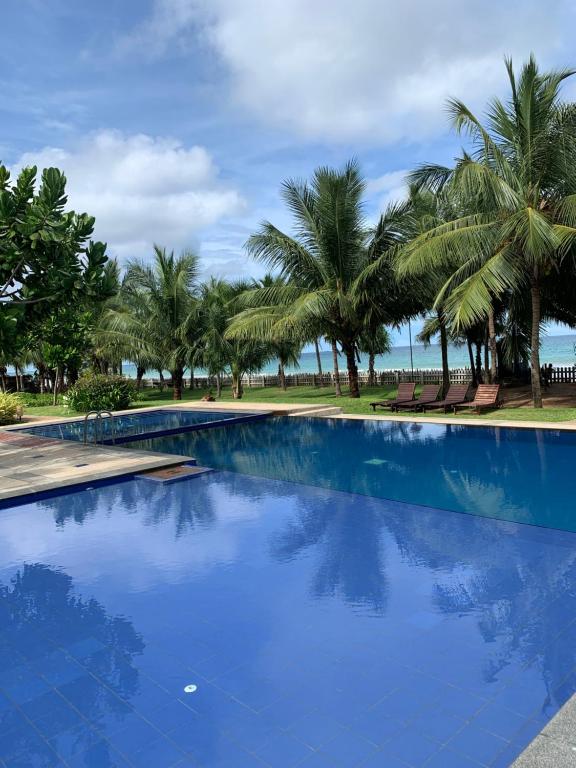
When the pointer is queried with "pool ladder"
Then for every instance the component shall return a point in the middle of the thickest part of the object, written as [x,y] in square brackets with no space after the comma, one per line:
[98,420]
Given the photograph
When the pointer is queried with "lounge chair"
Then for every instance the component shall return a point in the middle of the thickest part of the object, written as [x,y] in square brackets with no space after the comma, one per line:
[428,395]
[456,394]
[405,394]
[487,396]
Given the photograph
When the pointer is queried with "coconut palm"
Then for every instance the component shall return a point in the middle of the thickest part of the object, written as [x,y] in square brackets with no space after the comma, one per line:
[521,176]
[216,350]
[331,248]
[156,303]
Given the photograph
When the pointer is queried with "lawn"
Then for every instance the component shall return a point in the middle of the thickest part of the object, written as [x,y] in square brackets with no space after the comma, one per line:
[321,396]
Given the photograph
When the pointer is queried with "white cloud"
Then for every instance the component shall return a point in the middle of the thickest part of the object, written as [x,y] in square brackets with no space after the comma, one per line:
[142,189]
[370,70]
[388,188]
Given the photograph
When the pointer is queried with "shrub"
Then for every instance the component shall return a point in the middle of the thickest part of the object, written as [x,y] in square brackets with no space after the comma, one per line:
[36,400]
[97,392]
[9,404]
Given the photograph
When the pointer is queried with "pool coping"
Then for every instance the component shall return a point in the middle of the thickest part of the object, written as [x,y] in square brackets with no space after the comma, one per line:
[320,410]
[239,417]
[568,426]
[555,745]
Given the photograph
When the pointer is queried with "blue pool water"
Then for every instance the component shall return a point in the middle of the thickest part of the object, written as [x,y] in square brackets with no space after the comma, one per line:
[130,426]
[322,629]
[522,475]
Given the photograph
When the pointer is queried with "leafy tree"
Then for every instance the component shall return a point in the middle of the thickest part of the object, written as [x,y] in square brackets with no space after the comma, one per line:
[522,176]
[46,255]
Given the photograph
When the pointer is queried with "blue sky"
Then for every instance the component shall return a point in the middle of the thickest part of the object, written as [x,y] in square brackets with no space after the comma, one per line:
[177,120]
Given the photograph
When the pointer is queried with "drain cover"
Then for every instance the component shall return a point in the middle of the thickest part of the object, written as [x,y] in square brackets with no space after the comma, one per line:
[190,689]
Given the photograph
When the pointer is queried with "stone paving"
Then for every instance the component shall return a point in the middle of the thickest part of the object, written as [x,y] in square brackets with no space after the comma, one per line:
[30,464]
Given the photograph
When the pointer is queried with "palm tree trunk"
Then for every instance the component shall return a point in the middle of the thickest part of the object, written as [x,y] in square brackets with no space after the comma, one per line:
[478,362]
[371,371]
[140,371]
[192,382]
[237,389]
[493,349]
[337,386]
[177,382]
[318,360]
[444,352]
[535,343]
[282,376]
[58,379]
[218,385]
[349,351]
[472,366]
[486,356]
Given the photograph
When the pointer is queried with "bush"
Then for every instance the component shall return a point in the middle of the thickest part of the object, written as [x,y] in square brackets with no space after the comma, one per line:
[34,400]
[96,392]
[9,404]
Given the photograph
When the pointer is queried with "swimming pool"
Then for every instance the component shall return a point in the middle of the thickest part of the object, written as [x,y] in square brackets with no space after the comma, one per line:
[317,628]
[521,475]
[312,604]
[128,427]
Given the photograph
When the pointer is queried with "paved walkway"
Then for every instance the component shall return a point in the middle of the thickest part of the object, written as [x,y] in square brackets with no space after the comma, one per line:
[30,464]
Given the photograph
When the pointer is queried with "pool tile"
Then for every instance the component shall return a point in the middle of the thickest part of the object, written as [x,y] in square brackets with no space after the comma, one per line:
[250,730]
[477,744]
[160,753]
[78,738]
[412,747]
[172,716]
[376,726]
[438,726]
[349,748]
[135,735]
[315,729]
[57,668]
[447,758]
[100,755]
[283,751]
[500,721]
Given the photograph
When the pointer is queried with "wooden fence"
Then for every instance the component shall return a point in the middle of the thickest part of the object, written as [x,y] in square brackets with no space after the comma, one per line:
[420,376]
[560,375]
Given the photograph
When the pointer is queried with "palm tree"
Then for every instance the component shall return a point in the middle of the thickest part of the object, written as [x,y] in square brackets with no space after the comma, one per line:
[320,266]
[153,316]
[219,352]
[521,176]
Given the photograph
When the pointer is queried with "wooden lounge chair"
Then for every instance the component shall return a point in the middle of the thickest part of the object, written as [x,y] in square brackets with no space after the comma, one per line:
[428,395]
[456,394]
[487,396]
[405,394]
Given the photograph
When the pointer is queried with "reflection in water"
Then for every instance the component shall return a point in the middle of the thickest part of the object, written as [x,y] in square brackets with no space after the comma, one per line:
[349,553]
[277,598]
[429,464]
[54,639]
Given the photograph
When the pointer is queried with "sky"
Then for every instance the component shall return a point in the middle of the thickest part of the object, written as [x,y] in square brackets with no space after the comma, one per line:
[176,121]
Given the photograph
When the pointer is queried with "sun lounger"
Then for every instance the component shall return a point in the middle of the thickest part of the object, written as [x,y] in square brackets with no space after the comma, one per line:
[456,394]
[428,395]
[405,394]
[487,396]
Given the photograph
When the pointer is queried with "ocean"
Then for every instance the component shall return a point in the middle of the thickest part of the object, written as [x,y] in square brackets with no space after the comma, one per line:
[558,350]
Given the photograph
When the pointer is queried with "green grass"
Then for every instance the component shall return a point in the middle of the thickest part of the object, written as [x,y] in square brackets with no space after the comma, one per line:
[321,396]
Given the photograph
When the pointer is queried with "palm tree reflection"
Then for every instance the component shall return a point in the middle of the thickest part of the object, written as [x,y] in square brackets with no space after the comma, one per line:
[346,533]
[74,642]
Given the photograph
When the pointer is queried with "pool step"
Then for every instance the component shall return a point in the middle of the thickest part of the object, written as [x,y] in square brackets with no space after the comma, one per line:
[173,474]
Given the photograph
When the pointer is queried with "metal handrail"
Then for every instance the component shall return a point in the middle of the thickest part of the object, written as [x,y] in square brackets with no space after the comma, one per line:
[99,426]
